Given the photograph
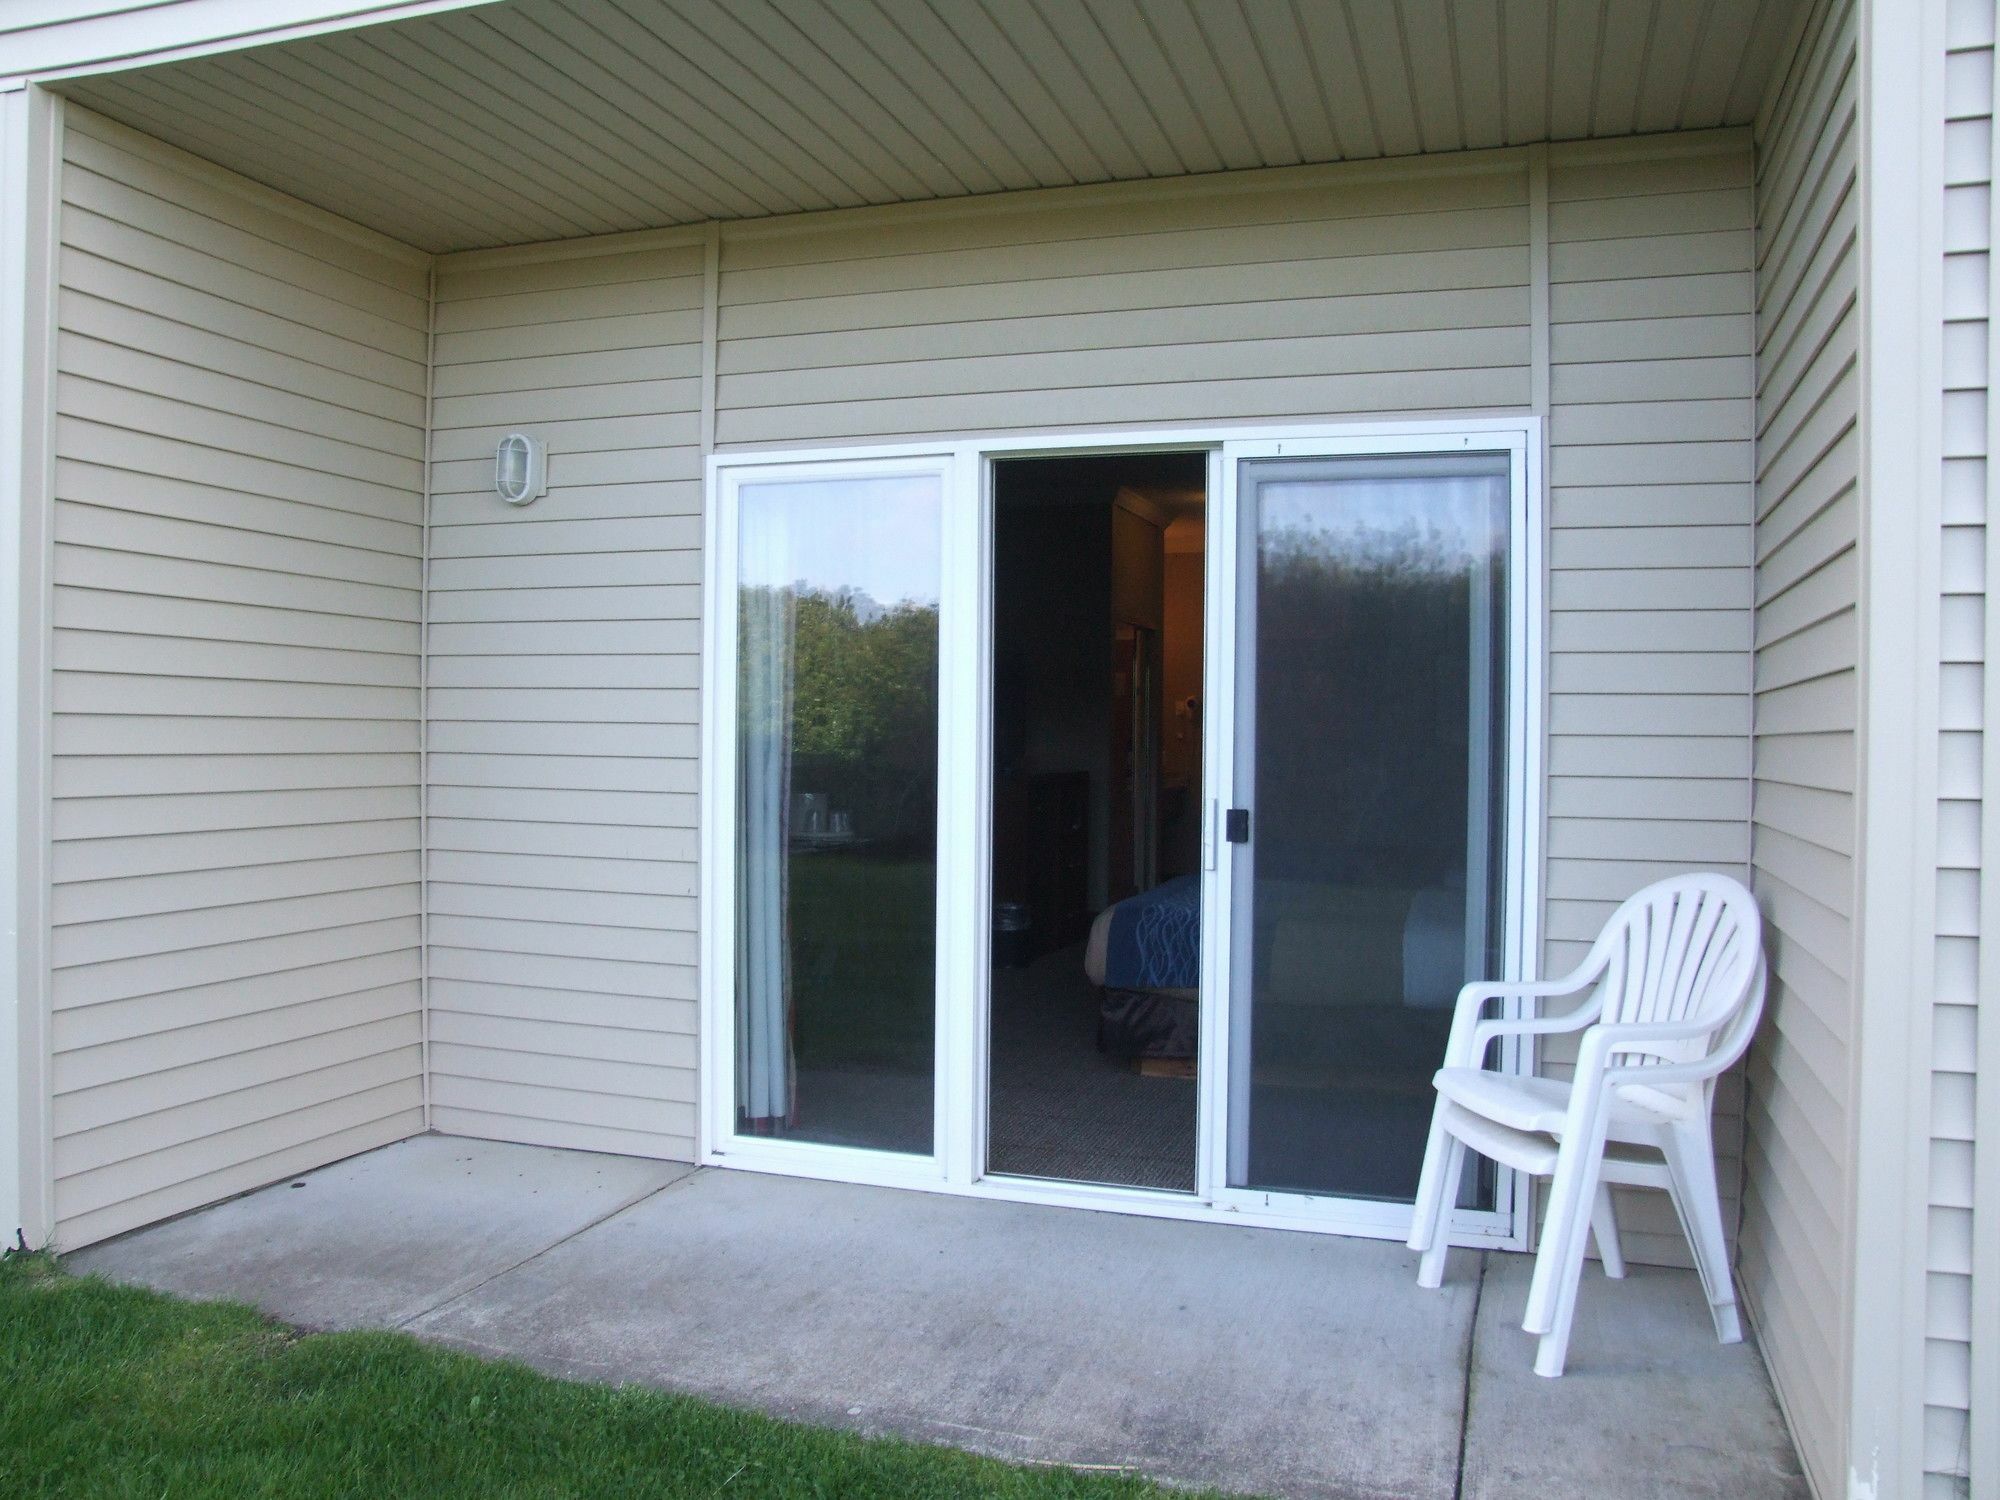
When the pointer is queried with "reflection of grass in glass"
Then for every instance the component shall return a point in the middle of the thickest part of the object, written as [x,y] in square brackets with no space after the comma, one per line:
[864,948]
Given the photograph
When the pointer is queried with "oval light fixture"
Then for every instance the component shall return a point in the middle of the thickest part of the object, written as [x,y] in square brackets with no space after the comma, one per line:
[520,468]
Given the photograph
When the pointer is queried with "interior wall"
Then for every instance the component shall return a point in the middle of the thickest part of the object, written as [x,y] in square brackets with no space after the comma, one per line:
[1796,1249]
[237,586]
[1052,653]
[1181,645]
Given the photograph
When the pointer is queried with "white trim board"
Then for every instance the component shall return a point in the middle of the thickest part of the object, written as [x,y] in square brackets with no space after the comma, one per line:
[112,37]
[30,157]
[1901,238]
[1984,1405]
[956,1164]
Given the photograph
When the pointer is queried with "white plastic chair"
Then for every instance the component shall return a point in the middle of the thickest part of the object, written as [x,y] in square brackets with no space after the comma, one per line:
[1677,987]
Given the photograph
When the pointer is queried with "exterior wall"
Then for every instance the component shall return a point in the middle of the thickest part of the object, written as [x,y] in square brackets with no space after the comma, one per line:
[1795,1241]
[1952,1274]
[566,855]
[1649,560]
[564,671]
[237,583]
[1321,293]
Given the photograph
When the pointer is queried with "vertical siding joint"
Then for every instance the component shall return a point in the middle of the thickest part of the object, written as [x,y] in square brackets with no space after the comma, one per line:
[424,693]
[1538,275]
[711,318]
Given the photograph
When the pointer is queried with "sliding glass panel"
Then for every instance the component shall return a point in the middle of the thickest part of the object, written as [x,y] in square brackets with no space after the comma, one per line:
[836,802]
[1372,733]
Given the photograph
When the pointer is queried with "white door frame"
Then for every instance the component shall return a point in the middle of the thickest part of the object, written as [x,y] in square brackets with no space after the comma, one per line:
[965,785]
[718,1141]
[1521,895]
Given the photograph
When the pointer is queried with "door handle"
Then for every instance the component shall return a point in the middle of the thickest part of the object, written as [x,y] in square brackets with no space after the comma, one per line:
[1236,825]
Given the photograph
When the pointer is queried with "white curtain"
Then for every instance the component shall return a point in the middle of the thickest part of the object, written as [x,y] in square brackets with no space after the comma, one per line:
[765,650]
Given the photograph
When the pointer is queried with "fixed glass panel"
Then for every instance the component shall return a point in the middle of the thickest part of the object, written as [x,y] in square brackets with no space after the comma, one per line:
[1372,734]
[837,594]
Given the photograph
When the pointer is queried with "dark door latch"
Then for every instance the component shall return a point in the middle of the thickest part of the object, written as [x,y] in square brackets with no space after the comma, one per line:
[1236,825]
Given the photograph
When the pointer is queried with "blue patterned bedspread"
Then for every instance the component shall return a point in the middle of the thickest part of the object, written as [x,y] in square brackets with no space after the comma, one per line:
[1154,941]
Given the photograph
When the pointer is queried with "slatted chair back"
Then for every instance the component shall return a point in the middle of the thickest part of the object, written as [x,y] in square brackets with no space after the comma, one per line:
[1684,950]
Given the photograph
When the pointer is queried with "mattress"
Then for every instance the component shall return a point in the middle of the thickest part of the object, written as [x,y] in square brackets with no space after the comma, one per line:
[1151,941]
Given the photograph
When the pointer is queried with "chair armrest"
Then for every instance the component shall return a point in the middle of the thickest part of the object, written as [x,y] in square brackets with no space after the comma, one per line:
[1602,1043]
[1491,1031]
[1471,1031]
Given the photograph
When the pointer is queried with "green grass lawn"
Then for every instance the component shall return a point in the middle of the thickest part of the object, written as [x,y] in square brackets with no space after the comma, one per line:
[110,1391]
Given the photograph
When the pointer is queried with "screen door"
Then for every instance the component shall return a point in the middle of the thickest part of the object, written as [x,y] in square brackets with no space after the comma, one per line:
[1368,838]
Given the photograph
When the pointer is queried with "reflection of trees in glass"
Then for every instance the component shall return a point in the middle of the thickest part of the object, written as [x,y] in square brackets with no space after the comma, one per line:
[1363,634]
[858,702]
[1415,550]
[866,678]
[863,705]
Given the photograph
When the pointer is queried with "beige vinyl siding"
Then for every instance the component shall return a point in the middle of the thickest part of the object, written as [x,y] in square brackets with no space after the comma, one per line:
[563,683]
[1951,1276]
[1795,1242]
[1306,295]
[1649,585]
[237,584]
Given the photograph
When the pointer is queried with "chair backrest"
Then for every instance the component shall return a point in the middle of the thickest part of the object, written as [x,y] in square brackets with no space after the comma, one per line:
[1685,949]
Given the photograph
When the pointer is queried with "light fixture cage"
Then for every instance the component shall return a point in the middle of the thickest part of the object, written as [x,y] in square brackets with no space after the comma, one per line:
[520,468]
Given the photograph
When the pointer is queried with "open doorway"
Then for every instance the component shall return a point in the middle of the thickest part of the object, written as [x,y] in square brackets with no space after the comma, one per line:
[1097,808]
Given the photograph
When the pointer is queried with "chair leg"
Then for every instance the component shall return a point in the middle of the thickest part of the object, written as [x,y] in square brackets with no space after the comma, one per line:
[1691,1162]
[1564,1259]
[1426,1214]
[1430,1270]
[1565,1222]
[1604,1229]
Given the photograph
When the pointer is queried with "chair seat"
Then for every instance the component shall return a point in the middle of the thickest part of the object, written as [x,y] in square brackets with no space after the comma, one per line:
[1539,1105]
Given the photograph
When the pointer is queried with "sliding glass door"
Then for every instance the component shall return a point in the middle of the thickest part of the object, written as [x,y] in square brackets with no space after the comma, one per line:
[1369,854]
[1350,840]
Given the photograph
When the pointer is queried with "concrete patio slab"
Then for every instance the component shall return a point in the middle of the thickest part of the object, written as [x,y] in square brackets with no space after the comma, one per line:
[1252,1360]
[373,1241]
[1649,1405]
[1256,1361]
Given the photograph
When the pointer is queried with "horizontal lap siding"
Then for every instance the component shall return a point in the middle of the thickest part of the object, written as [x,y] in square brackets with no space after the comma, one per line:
[1795,1243]
[1308,299]
[564,667]
[1953,1281]
[1651,392]
[237,587]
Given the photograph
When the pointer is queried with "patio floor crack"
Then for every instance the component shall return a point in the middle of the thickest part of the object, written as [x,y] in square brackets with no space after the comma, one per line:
[460,1293]
[1471,1360]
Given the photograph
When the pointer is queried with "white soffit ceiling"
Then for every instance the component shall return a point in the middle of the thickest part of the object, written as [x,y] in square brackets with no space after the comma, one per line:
[547,119]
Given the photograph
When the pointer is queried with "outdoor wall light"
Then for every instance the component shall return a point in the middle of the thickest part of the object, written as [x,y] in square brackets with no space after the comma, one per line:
[521,468]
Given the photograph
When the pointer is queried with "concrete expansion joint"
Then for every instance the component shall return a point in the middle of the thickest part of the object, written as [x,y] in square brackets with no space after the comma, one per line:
[1471,1367]
[631,1201]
